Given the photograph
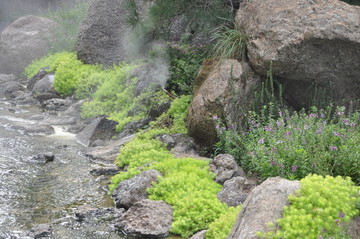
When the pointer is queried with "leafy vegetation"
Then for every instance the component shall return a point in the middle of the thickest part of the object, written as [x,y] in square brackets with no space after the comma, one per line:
[230,41]
[221,227]
[320,209]
[296,145]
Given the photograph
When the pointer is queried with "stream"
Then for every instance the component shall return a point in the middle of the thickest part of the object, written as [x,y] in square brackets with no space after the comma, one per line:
[33,192]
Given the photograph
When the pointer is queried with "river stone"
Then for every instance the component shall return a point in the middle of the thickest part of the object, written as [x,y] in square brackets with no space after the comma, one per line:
[146,218]
[45,157]
[10,89]
[57,104]
[107,153]
[224,89]
[308,42]
[40,231]
[38,76]
[225,167]
[88,213]
[25,40]
[263,205]
[199,235]
[235,191]
[108,170]
[99,128]
[134,189]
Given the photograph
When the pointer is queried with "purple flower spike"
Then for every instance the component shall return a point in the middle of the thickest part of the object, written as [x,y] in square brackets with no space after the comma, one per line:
[215,117]
[294,168]
[333,148]
[341,215]
[261,141]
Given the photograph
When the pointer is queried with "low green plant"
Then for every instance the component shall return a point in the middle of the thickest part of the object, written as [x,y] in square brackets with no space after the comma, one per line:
[296,145]
[230,41]
[69,15]
[221,227]
[322,208]
[186,183]
[184,64]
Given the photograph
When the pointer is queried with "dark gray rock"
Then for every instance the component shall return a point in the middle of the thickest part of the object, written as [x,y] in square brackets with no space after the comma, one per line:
[107,153]
[25,40]
[88,213]
[179,144]
[45,157]
[109,170]
[235,191]
[10,89]
[41,74]
[146,218]
[199,235]
[102,34]
[43,89]
[225,168]
[133,190]
[263,205]
[57,104]
[99,128]
[7,77]
[40,231]
[133,127]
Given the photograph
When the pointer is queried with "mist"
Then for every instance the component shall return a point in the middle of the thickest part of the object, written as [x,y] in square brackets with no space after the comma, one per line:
[10,10]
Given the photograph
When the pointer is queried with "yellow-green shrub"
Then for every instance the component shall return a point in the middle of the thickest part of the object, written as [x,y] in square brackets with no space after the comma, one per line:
[320,209]
[221,227]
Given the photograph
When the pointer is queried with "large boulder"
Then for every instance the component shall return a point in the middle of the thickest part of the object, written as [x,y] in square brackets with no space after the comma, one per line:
[102,34]
[311,44]
[224,89]
[23,41]
[263,205]
[134,189]
[146,218]
[99,128]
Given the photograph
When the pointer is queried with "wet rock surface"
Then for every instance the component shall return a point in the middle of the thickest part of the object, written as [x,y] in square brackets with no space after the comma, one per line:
[40,231]
[133,190]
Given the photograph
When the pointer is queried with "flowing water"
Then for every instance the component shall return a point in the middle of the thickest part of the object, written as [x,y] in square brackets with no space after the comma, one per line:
[32,192]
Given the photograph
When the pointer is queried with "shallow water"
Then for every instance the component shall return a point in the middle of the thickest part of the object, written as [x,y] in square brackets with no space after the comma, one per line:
[32,192]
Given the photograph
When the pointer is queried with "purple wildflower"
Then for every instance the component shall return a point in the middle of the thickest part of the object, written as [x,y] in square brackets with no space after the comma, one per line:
[272,162]
[294,168]
[312,115]
[346,121]
[332,148]
[215,117]
[319,131]
[280,114]
[261,141]
[288,133]
[341,214]
[306,127]
[273,149]
[268,128]
[255,154]
[336,134]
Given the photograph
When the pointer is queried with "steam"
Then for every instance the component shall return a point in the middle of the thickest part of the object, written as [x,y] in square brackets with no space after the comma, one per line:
[10,10]
[137,45]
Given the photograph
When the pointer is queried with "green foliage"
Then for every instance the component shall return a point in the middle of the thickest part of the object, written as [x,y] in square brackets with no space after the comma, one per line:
[352,2]
[185,62]
[230,41]
[320,209]
[174,118]
[294,146]
[202,14]
[189,188]
[69,16]
[221,227]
